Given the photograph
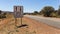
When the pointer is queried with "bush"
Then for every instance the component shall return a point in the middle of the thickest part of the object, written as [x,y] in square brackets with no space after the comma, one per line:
[53,14]
[2,16]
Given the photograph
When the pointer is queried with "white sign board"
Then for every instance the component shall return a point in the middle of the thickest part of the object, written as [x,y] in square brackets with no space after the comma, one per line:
[18,11]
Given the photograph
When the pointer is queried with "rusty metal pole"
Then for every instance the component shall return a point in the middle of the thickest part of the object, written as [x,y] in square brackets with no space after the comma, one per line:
[21,21]
[15,21]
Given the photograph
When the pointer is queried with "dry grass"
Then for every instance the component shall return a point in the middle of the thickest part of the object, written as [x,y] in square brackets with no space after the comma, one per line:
[34,27]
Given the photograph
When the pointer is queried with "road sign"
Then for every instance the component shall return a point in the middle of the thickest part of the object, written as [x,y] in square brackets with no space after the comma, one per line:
[18,11]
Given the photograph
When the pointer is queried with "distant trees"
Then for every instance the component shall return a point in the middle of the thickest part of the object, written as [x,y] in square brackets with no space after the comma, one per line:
[59,11]
[47,11]
[4,13]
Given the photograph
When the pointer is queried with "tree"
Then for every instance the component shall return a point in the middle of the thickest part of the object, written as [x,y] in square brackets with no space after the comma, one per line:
[0,11]
[47,10]
[59,11]
[35,12]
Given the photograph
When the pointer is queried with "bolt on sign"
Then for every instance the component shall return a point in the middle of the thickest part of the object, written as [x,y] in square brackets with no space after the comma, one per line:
[18,11]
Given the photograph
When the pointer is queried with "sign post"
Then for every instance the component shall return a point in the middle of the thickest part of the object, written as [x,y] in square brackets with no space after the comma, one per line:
[18,13]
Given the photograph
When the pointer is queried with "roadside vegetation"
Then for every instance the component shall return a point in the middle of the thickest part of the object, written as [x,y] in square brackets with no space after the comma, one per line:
[47,11]
[2,15]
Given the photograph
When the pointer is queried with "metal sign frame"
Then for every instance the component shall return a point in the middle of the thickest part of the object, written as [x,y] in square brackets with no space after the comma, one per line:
[18,11]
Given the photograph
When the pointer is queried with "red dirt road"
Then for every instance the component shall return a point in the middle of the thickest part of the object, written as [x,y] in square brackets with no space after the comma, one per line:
[41,28]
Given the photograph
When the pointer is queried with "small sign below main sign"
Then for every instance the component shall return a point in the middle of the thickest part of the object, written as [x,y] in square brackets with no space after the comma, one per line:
[18,11]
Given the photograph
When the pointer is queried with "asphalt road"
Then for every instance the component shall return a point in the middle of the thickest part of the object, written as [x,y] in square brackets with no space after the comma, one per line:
[47,20]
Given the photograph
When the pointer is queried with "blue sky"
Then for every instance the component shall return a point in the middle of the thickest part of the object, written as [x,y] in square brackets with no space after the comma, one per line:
[29,5]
